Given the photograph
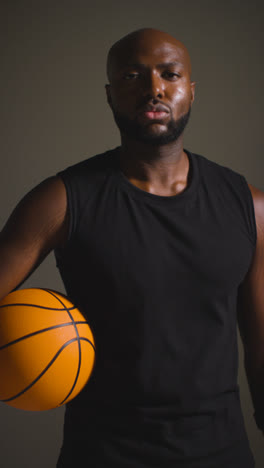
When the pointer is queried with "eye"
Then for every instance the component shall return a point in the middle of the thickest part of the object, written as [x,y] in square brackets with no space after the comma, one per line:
[170,75]
[131,76]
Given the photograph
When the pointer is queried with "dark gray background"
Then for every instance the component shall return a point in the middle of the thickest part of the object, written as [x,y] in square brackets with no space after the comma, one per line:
[54,113]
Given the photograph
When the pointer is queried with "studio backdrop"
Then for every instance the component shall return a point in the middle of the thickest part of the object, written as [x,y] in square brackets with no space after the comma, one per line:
[54,113]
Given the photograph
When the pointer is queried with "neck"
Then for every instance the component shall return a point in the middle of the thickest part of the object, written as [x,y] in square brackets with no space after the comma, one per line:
[161,170]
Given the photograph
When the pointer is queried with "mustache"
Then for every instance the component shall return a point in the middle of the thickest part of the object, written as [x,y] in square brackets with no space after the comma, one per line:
[156,106]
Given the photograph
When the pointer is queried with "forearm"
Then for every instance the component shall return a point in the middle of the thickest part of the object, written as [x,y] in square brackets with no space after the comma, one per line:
[255,374]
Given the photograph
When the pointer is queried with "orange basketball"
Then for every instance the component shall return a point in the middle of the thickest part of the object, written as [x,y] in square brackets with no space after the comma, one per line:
[47,349]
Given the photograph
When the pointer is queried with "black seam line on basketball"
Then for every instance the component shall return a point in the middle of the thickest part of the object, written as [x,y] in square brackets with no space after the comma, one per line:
[43,330]
[79,344]
[37,306]
[45,370]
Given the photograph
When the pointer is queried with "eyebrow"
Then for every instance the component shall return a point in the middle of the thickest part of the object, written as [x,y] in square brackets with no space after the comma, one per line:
[169,64]
[159,65]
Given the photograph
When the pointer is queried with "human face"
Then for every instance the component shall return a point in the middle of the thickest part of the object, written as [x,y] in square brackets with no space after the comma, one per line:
[150,91]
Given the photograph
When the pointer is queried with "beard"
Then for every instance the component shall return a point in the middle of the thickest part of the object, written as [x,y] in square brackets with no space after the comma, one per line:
[139,132]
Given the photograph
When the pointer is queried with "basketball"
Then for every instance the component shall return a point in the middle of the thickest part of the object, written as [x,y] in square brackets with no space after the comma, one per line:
[47,349]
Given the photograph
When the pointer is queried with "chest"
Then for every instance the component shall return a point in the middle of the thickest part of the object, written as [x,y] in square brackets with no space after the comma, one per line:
[141,243]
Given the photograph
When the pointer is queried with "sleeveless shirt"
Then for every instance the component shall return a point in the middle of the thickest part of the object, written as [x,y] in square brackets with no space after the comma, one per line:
[157,278]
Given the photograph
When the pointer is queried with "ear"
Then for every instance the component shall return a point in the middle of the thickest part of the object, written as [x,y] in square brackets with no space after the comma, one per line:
[108,94]
[193,84]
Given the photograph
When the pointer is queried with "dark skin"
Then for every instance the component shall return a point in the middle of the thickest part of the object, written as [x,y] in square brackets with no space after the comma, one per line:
[251,309]
[148,67]
[161,73]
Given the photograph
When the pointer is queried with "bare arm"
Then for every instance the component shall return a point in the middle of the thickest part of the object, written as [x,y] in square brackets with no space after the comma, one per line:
[251,314]
[37,225]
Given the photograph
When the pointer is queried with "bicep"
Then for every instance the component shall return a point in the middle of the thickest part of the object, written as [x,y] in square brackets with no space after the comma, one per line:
[251,315]
[37,225]
[251,293]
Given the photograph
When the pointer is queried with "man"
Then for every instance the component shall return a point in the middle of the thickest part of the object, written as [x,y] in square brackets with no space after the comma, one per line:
[163,251]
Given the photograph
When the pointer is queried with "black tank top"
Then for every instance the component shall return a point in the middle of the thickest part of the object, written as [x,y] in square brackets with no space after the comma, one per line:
[157,278]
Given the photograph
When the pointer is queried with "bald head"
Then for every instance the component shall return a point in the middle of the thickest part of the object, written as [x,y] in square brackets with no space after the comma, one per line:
[150,90]
[145,40]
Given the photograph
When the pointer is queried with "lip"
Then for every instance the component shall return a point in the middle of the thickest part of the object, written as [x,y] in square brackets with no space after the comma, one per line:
[154,112]
[155,115]
[152,108]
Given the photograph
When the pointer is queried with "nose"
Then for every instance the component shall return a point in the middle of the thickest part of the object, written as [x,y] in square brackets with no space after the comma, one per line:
[153,85]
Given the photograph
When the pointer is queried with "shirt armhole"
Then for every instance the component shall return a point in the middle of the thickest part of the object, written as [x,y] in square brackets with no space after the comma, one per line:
[70,206]
[250,212]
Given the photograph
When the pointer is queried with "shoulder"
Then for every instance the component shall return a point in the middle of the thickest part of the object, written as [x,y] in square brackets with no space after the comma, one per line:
[214,168]
[94,164]
[224,183]
[227,190]
[218,177]
[84,178]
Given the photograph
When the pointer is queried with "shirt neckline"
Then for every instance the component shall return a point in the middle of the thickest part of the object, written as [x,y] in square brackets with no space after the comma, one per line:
[136,192]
